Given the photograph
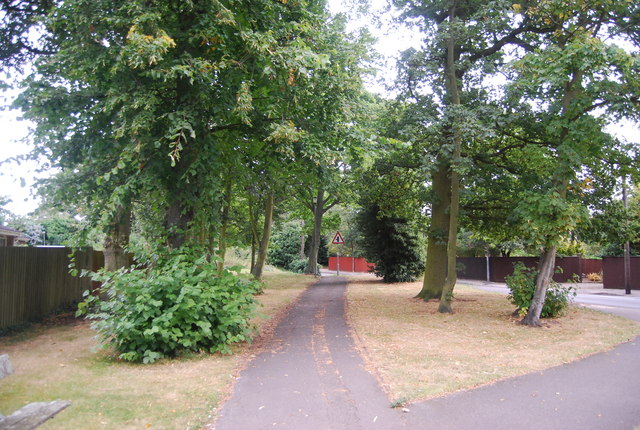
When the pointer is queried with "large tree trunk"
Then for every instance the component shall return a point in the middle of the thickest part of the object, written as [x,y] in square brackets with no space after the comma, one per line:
[452,243]
[222,242]
[266,235]
[318,212]
[543,279]
[179,217]
[117,239]
[435,272]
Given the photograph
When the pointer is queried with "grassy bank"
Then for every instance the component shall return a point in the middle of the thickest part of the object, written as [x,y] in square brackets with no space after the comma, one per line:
[418,353]
[59,361]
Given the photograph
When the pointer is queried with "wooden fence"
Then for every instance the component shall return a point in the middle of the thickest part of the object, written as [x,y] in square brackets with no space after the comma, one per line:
[613,273]
[350,264]
[35,282]
[500,267]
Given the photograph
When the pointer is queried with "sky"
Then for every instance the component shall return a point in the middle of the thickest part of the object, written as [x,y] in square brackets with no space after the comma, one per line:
[16,180]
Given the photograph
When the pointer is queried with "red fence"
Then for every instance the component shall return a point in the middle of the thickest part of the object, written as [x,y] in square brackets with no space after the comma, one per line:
[501,267]
[351,264]
[613,272]
[591,265]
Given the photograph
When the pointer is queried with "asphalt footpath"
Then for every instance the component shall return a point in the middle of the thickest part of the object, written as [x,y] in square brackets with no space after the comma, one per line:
[311,377]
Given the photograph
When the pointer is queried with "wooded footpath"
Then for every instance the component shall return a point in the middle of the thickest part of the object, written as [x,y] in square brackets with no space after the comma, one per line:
[35,282]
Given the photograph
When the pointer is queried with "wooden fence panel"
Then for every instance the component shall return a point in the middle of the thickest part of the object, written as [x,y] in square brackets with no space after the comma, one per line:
[36,281]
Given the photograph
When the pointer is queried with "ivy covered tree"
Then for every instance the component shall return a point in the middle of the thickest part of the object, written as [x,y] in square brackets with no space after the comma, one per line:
[445,88]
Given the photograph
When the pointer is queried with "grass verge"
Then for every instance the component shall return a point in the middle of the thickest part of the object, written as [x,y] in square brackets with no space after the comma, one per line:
[60,361]
[419,353]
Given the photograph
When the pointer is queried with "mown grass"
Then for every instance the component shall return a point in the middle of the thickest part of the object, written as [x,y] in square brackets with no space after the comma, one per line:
[61,362]
[419,353]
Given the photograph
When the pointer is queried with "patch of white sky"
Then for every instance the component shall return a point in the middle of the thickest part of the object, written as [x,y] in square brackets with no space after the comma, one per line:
[17,174]
[391,37]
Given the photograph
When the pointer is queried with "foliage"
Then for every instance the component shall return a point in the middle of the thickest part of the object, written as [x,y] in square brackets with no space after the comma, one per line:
[5,214]
[284,251]
[173,304]
[611,225]
[392,244]
[285,247]
[594,277]
[522,285]
[297,266]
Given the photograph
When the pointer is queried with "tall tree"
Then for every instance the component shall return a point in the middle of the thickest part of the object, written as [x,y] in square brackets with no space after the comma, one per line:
[464,41]
[577,70]
[149,91]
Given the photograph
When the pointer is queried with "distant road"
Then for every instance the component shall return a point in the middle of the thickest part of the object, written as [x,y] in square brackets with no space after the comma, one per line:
[592,296]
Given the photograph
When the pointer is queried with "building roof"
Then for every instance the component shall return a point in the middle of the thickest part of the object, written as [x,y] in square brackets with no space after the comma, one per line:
[8,231]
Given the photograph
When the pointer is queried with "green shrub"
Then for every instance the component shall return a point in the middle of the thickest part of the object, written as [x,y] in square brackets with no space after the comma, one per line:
[285,246]
[175,304]
[297,266]
[391,243]
[522,284]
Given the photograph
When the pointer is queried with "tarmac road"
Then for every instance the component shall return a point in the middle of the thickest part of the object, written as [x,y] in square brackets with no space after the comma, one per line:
[590,295]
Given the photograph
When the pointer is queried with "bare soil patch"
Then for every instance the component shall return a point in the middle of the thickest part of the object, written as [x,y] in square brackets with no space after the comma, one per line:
[59,360]
[419,353]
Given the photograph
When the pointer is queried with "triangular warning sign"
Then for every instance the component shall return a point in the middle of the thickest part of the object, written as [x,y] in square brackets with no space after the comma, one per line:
[337,239]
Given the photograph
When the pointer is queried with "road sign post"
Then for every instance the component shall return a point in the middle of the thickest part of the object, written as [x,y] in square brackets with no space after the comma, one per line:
[338,240]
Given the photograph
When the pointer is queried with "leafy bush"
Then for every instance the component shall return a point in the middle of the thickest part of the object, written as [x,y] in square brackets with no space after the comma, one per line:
[297,266]
[285,246]
[594,277]
[392,244]
[284,249]
[176,304]
[522,284]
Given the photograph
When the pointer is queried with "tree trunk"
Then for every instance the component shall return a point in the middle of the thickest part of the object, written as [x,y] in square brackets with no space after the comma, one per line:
[266,235]
[454,94]
[435,272]
[117,239]
[545,274]
[222,242]
[560,180]
[452,276]
[254,232]
[318,211]
[179,216]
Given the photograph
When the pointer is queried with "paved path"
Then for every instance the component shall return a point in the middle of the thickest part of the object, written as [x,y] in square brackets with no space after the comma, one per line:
[310,376]
[599,392]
